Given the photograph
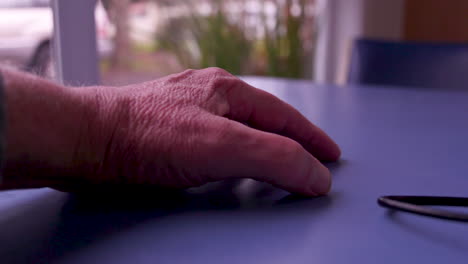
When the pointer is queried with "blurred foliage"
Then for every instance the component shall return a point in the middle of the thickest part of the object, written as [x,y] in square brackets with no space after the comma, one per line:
[285,51]
[200,41]
[205,41]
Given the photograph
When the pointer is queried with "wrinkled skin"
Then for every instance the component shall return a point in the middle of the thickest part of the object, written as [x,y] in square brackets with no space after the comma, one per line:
[191,128]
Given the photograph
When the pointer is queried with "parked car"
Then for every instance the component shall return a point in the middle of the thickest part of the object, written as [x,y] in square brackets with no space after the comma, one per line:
[26,30]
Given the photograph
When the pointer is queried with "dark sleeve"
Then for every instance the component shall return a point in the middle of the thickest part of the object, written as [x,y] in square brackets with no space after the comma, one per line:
[2,124]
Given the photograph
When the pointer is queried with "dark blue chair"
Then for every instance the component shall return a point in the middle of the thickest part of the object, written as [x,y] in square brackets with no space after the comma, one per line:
[427,65]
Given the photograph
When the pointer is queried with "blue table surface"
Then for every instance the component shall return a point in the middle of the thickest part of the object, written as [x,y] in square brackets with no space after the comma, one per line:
[394,141]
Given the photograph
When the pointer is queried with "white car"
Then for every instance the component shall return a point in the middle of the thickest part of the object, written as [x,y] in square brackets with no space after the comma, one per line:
[26,30]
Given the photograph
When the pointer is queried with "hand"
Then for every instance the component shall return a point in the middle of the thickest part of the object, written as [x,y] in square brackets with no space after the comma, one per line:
[195,127]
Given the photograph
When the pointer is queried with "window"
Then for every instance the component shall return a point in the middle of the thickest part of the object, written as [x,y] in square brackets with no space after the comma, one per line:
[150,39]
[24,3]
[26,29]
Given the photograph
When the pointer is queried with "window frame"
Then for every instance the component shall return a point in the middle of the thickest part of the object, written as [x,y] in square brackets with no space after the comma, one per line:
[74,43]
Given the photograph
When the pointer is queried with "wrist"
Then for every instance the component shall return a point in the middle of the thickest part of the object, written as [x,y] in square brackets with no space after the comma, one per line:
[43,126]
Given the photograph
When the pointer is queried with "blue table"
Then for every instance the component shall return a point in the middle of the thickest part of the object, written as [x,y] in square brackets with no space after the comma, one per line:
[394,141]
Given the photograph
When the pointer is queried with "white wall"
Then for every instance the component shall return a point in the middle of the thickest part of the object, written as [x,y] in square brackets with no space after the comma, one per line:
[341,21]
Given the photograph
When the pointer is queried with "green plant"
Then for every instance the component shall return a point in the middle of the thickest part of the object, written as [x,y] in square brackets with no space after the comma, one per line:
[222,44]
[205,41]
[285,50]
[200,41]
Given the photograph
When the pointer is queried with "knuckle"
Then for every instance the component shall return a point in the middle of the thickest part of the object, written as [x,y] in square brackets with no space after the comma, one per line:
[218,83]
[219,79]
[187,72]
[291,150]
[223,131]
[218,72]
[287,155]
[222,136]
[297,161]
[178,77]
[222,82]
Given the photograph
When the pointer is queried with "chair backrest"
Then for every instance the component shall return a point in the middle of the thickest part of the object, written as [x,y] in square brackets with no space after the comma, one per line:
[428,65]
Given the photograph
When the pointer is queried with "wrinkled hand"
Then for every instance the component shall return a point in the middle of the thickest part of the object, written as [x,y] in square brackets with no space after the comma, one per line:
[180,131]
[200,126]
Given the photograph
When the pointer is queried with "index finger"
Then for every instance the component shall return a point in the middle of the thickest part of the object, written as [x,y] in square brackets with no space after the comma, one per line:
[264,111]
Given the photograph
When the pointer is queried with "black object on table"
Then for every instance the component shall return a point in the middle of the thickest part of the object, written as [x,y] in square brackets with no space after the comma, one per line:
[418,205]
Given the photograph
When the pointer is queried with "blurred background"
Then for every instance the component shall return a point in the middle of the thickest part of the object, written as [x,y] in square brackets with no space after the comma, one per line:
[245,37]
[146,39]
[139,40]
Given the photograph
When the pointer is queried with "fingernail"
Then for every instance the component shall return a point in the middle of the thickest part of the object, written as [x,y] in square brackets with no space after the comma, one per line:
[320,180]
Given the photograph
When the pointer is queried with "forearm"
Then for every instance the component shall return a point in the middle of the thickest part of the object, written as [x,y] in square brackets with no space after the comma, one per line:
[42,130]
